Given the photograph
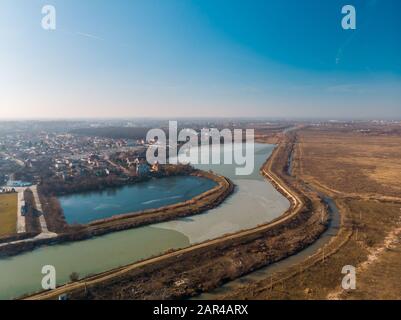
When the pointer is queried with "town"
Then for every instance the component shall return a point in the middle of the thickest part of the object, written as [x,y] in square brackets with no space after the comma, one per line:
[27,158]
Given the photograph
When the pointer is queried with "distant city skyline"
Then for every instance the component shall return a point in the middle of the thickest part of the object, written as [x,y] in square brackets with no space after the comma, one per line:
[206,58]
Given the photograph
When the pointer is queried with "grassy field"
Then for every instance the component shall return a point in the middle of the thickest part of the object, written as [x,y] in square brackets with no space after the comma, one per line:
[8,214]
[362,173]
[379,279]
[351,163]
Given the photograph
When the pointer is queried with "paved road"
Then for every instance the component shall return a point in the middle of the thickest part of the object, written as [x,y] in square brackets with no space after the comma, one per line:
[40,236]
[119,167]
[21,227]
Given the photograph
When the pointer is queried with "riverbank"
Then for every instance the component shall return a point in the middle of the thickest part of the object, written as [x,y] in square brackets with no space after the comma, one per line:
[201,267]
[196,205]
[338,162]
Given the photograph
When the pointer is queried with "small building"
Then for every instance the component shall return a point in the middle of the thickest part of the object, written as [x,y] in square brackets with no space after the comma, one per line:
[7,190]
[18,184]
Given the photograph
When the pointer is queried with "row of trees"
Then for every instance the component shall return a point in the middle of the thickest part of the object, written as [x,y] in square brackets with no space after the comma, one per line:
[57,186]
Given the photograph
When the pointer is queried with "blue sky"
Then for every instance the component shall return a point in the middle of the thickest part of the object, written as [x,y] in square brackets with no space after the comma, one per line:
[173,58]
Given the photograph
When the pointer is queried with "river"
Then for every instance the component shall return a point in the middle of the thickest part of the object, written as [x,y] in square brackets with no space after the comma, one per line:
[254,202]
[268,271]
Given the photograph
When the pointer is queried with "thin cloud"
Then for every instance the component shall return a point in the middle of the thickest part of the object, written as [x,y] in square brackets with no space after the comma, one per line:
[347,88]
[340,52]
[88,35]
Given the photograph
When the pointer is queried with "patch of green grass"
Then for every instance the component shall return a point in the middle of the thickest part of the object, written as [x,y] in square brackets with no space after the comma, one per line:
[8,214]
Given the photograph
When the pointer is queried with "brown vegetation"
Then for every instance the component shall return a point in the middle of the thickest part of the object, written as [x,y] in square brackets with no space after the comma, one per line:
[200,270]
[31,219]
[54,214]
[351,163]
[355,166]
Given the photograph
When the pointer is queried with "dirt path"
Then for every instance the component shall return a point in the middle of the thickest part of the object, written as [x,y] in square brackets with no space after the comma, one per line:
[375,254]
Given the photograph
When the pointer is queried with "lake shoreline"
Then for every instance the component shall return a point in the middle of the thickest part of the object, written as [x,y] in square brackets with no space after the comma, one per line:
[199,204]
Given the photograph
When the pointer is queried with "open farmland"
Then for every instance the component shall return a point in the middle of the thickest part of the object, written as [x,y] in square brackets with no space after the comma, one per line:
[362,173]
[351,163]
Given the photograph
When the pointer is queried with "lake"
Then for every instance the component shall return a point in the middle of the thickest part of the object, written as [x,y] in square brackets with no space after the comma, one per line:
[86,207]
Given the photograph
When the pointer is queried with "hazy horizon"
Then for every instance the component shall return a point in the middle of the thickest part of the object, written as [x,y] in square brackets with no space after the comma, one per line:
[209,118]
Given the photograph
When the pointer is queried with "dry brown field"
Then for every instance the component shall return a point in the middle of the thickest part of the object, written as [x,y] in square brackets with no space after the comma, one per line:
[351,163]
[362,173]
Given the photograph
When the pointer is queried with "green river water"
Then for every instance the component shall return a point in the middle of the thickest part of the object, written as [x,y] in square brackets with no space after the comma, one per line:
[254,202]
